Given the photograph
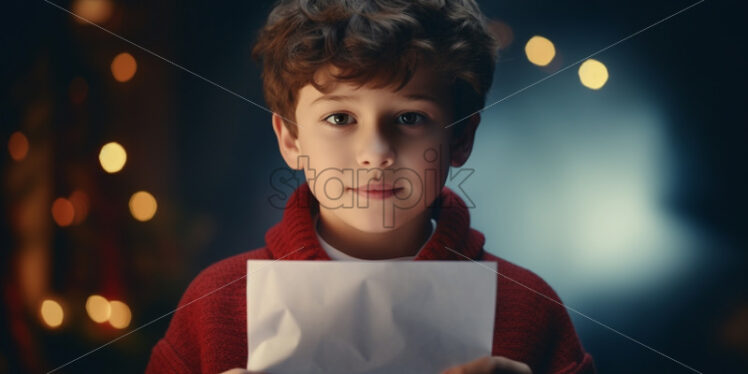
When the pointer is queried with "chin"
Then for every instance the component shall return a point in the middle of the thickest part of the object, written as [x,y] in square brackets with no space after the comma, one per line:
[375,223]
[375,228]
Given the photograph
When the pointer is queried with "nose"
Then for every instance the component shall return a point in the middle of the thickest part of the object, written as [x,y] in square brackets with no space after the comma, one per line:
[376,150]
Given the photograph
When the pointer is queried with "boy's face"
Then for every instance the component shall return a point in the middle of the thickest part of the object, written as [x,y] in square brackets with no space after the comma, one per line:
[353,137]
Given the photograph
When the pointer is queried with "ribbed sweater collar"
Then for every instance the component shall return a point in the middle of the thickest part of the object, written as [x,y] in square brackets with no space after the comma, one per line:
[296,230]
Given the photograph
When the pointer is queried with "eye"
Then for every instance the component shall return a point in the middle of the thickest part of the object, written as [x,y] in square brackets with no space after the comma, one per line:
[412,118]
[338,119]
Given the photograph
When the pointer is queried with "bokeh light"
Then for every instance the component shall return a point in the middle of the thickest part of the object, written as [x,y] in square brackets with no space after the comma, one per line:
[143,206]
[96,11]
[112,157]
[18,146]
[51,312]
[120,314]
[124,67]
[540,51]
[501,32]
[63,212]
[593,74]
[98,308]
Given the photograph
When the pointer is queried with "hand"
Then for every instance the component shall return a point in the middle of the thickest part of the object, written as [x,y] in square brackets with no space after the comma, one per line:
[490,365]
[240,371]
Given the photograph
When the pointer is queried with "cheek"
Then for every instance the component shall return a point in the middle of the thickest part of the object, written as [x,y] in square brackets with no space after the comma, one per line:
[326,159]
[427,164]
[431,153]
[324,152]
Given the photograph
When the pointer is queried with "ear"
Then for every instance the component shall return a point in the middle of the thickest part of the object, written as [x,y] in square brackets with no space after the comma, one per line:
[287,142]
[461,146]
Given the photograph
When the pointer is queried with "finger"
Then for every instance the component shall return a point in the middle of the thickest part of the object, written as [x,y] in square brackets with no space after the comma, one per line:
[454,370]
[505,365]
[480,365]
[240,371]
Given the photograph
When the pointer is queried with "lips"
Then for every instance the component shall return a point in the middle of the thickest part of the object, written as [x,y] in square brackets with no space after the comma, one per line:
[377,188]
[377,191]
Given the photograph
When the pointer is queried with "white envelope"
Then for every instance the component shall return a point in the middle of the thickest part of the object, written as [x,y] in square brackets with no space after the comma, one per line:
[368,316]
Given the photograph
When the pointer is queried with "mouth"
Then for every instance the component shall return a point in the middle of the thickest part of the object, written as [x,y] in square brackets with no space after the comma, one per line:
[377,191]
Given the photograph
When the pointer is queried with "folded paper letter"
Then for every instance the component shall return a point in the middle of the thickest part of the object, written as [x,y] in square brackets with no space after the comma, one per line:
[368,316]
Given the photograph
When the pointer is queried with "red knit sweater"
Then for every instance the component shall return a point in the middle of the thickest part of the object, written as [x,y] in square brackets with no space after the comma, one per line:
[208,332]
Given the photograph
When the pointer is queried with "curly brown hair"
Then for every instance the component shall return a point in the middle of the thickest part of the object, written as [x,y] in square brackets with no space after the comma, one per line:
[374,42]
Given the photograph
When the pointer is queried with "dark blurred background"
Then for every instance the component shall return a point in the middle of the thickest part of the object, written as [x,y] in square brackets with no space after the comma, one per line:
[629,199]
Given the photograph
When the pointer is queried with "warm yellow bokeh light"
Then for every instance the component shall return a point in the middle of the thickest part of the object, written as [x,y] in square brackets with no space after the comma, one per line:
[112,157]
[124,67]
[51,312]
[98,308]
[96,11]
[121,315]
[18,146]
[63,212]
[593,74]
[540,51]
[143,206]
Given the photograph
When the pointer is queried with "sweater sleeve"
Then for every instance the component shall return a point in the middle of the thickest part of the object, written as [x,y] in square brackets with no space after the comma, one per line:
[164,359]
[564,353]
[179,350]
[208,330]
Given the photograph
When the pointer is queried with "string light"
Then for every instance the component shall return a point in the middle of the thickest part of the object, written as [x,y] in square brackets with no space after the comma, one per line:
[540,51]
[98,308]
[52,313]
[593,74]
[18,146]
[112,157]
[96,11]
[143,206]
[63,212]
[120,314]
[124,67]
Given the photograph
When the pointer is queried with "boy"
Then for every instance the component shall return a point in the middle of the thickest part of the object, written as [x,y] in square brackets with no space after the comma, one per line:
[364,95]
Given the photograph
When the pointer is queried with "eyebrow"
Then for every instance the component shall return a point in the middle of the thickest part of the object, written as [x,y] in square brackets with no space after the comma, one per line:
[412,97]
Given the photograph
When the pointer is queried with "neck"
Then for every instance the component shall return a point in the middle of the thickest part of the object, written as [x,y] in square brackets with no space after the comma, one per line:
[400,242]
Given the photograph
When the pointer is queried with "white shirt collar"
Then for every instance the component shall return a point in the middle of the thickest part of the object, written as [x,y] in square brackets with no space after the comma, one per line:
[338,255]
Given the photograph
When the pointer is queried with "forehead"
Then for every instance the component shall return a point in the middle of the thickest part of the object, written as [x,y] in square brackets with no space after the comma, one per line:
[425,83]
